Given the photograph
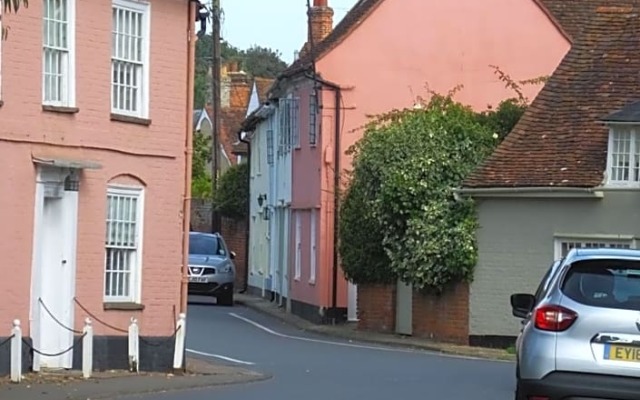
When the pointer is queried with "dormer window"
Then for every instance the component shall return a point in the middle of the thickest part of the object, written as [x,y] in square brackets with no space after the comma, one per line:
[623,155]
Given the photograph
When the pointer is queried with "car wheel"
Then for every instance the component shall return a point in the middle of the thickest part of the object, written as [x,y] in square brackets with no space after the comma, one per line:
[225,299]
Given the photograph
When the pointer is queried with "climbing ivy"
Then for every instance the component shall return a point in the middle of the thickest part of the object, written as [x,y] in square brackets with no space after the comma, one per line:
[399,216]
[232,195]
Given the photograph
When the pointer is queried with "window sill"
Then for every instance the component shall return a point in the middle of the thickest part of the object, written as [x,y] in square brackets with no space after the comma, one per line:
[122,306]
[60,109]
[130,120]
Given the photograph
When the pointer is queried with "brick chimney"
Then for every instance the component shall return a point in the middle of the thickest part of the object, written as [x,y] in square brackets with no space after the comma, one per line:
[320,21]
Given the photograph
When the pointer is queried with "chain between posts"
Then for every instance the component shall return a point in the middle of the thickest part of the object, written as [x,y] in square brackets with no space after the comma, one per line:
[7,340]
[54,354]
[162,341]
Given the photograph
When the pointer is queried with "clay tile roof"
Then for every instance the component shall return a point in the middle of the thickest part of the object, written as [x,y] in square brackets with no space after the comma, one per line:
[263,85]
[231,122]
[561,139]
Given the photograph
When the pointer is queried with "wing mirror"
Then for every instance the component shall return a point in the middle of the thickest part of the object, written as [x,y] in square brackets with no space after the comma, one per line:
[522,304]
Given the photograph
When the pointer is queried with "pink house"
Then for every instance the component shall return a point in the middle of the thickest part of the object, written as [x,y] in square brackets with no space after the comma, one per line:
[95,123]
[381,56]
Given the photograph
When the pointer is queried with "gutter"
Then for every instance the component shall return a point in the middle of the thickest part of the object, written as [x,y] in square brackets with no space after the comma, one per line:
[186,207]
[245,278]
[533,191]
[336,184]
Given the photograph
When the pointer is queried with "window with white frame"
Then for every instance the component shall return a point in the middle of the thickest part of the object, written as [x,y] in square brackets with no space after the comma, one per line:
[564,245]
[298,260]
[289,132]
[313,121]
[130,58]
[58,75]
[123,259]
[270,147]
[313,247]
[624,156]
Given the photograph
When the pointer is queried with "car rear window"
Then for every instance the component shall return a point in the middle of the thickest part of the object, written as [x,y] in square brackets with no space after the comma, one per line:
[607,283]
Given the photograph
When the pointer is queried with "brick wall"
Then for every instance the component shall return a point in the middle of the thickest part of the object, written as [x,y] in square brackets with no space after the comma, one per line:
[443,317]
[377,308]
[235,235]
[233,232]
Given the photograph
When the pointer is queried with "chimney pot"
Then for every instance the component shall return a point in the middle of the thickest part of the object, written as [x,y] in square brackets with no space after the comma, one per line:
[320,3]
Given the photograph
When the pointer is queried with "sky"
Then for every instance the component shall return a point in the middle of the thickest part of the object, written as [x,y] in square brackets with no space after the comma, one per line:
[277,24]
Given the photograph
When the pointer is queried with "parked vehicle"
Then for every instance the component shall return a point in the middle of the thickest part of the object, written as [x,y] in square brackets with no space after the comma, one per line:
[580,336]
[211,268]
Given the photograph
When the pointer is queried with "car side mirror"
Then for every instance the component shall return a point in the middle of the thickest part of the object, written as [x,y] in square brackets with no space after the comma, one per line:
[522,304]
[232,255]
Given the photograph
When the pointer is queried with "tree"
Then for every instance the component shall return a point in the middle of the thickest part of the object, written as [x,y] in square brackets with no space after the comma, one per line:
[401,197]
[262,62]
[200,176]
[231,198]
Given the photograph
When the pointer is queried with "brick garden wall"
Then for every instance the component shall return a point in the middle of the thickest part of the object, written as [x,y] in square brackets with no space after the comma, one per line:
[444,317]
[233,232]
[377,308]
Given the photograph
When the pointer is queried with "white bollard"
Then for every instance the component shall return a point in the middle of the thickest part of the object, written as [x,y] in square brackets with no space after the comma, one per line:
[134,346]
[87,349]
[181,334]
[16,352]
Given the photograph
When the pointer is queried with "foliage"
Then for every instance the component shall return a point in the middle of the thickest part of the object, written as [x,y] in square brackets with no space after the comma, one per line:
[231,198]
[504,118]
[201,177]
[256,61]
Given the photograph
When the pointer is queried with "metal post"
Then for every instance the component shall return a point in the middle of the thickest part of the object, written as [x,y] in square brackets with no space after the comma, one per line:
[16,352]
[87,349]
[215,94]
[181,334]
[134,346]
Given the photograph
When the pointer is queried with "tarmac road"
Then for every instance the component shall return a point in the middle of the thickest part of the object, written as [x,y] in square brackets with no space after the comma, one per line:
[318,368]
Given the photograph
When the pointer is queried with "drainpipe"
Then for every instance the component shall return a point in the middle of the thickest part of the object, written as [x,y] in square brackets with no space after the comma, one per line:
[186,207]
[336,184]
[248,219]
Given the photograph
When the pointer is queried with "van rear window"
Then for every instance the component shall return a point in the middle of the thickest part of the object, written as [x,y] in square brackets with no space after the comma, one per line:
[607,283]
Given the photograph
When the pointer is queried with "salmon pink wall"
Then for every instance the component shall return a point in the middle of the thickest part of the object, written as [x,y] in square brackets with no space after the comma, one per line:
[404,47]
[153,155]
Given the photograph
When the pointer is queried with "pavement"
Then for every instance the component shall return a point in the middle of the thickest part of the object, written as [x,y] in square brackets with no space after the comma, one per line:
[349,331]
[111,384]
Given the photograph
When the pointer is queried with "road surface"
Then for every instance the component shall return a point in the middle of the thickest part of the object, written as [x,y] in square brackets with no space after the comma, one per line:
[319,368]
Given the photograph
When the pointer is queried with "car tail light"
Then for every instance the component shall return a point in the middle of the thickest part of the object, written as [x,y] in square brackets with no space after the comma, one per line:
[554,318]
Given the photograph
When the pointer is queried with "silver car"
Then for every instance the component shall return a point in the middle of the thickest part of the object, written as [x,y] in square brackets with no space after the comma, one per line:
[211,268]
[580,337]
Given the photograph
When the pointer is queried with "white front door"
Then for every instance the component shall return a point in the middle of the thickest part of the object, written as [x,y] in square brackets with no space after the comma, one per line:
[54,269]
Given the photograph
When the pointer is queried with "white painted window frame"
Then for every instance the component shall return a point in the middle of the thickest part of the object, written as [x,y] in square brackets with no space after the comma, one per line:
[68,63]
[635,137]
[298,259]
[313,119]
[559,239]
[135,283]
[143,7]
[313,244]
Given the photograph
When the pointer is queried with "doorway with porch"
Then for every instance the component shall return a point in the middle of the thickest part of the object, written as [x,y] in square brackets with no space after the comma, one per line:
[54,267]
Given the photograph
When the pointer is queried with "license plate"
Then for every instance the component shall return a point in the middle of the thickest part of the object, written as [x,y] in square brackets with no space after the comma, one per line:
[621,353]
[198,279]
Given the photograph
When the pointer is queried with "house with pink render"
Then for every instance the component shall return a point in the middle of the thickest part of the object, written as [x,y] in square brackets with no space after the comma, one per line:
[381,56]
[95,132]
